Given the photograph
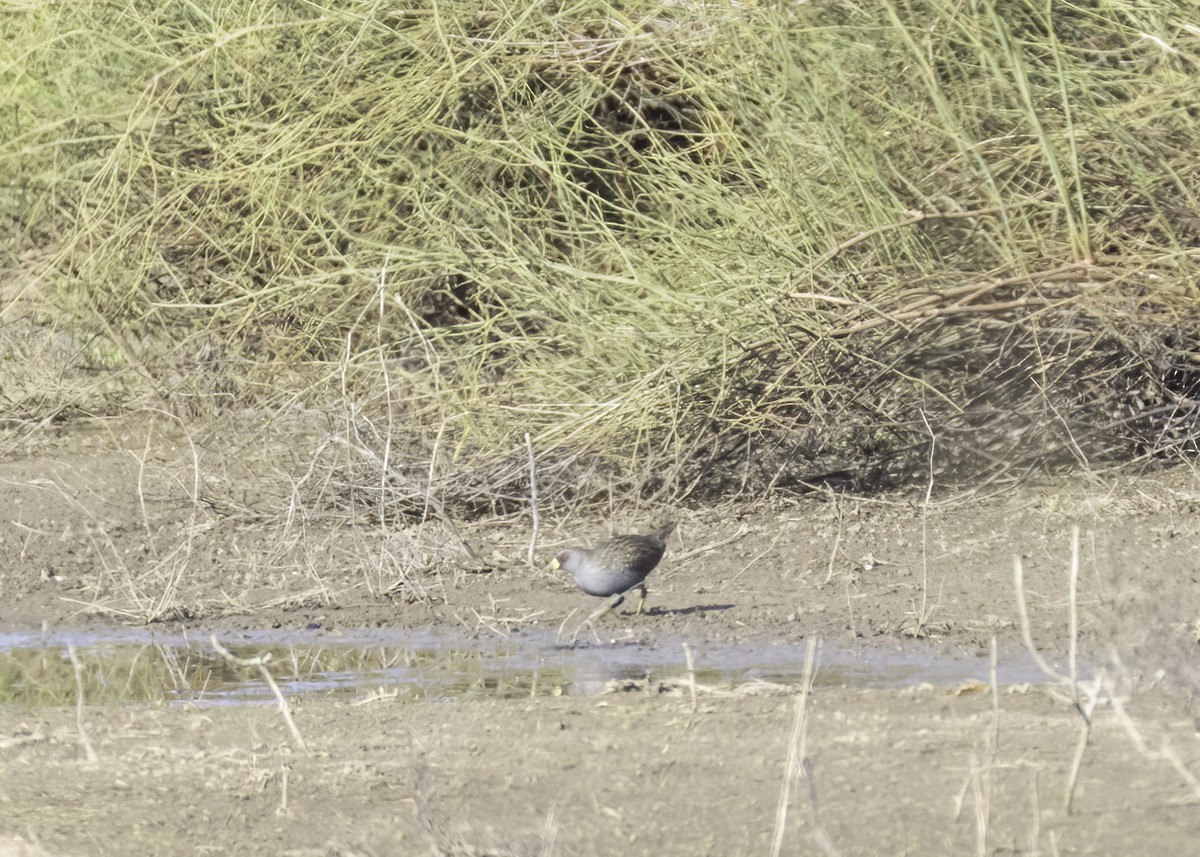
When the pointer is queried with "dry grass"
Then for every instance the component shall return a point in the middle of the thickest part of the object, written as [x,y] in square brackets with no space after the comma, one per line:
[1108,687]
[688,249]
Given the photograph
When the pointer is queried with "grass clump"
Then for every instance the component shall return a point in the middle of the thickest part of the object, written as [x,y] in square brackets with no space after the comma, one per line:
[689,248]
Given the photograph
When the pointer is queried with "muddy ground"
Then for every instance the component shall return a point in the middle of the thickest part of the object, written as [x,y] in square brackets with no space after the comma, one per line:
[133,521]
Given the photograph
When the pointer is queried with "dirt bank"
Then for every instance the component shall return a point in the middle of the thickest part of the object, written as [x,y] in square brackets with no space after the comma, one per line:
[119,522]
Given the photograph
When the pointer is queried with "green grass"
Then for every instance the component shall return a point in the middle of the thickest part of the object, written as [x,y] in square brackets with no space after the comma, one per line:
[692,249]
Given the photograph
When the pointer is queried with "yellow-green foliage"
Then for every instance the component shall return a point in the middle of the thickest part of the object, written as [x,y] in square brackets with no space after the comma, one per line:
[668,240]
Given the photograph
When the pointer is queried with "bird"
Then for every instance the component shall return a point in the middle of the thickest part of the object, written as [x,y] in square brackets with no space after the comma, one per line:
[614,567]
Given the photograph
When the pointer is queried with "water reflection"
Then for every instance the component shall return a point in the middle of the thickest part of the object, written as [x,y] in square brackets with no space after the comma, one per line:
[133,666]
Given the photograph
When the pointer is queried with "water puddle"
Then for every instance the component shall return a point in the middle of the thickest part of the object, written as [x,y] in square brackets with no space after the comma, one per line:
[136,666]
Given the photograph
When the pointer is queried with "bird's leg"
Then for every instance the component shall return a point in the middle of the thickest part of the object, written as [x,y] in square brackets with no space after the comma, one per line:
[641,600]
[611,604]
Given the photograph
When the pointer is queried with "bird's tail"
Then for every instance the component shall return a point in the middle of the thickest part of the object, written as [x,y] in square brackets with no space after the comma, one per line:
[664,531]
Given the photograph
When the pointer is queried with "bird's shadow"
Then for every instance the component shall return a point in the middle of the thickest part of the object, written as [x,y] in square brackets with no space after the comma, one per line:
[687,611]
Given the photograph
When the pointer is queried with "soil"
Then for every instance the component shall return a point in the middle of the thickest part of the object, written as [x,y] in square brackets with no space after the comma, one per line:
[132,521]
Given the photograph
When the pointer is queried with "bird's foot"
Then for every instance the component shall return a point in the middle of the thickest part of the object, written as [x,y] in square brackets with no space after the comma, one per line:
[612,604]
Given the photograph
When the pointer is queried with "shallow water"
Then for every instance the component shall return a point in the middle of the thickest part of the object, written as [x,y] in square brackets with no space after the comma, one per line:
[138,666]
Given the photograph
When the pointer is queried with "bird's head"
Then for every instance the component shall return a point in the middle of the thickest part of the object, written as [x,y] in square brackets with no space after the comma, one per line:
[566,559]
